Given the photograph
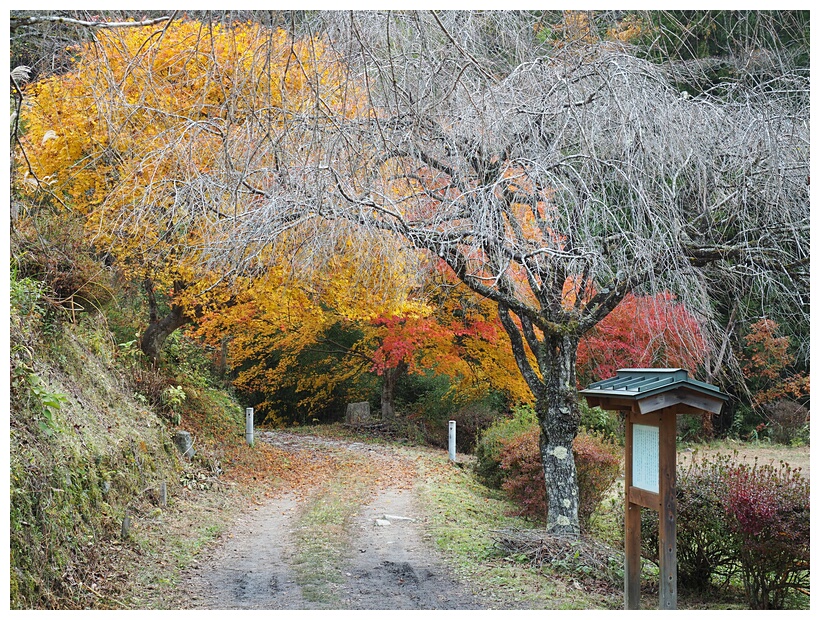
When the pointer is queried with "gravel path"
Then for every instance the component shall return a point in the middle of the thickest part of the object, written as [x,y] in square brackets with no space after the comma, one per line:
[389,563]
[247,569]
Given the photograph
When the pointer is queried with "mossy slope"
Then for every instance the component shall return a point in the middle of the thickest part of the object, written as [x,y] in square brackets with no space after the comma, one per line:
[84,454]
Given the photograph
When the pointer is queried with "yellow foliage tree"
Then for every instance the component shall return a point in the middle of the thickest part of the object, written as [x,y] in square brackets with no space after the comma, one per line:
[355,322]
[161,136]
[295,310]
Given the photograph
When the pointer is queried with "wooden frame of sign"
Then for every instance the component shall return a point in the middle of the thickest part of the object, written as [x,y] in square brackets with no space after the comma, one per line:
[650,462]
[640,457]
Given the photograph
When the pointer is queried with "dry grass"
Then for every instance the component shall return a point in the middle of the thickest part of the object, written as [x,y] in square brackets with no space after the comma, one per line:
[765,453]
[584,556]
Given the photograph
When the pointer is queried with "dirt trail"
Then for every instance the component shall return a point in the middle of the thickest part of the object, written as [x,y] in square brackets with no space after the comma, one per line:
[247,570]
[389,562]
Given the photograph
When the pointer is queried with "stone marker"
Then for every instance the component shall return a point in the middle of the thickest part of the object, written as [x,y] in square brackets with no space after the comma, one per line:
[184,443]
[249,426]
[358,413]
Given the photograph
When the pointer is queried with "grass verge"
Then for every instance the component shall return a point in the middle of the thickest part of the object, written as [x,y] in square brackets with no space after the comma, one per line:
[323,532]
[463,516]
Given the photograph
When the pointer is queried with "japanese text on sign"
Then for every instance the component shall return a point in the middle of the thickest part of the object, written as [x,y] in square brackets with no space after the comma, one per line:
[645,445]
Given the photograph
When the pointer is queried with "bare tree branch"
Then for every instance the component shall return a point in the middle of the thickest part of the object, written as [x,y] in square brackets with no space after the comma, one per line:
[31,20]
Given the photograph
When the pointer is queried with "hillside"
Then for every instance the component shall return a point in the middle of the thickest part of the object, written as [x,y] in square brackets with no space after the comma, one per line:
[88,453]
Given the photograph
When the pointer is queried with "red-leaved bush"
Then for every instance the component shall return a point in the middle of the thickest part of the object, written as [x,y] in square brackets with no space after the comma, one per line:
[767,512]
[737,518]
[597,462]
[523,476]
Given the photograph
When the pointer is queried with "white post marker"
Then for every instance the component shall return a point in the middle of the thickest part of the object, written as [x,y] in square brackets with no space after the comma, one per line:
[249,425]
[452,426]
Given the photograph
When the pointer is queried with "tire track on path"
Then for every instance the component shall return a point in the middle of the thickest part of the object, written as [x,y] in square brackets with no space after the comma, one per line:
[385,559]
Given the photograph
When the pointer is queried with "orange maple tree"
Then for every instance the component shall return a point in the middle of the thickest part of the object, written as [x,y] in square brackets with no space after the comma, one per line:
[766,363]
[461,338]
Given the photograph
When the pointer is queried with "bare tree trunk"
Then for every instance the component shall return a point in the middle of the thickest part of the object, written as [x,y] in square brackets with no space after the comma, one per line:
[389,380]
[157,333]
[556,406]
[223,357]
[559,418]
[158,328]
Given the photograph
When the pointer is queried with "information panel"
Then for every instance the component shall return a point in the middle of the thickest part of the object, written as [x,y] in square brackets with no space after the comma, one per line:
[645,467]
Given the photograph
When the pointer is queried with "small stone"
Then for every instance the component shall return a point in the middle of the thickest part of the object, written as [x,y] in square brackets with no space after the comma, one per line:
[382,522]
[184,443]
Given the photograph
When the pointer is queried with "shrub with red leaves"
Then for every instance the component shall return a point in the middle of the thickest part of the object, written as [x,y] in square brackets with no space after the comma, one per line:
[737,518]
[597,462]
[767,513]
[523,474]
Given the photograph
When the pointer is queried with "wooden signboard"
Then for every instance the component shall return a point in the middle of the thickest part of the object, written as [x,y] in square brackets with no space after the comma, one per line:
[651,400]
[650,483]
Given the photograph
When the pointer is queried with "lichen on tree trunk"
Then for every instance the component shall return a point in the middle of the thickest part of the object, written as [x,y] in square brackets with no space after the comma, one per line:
[559,419]
[556,406]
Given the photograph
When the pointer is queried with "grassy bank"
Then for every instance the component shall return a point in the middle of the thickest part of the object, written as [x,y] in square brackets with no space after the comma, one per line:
[88,454]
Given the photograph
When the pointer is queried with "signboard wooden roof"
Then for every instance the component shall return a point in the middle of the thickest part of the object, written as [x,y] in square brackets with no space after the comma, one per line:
[652,389]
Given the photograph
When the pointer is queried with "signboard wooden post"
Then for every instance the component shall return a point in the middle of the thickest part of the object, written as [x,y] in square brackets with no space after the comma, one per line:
[650,483]
[651,400]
